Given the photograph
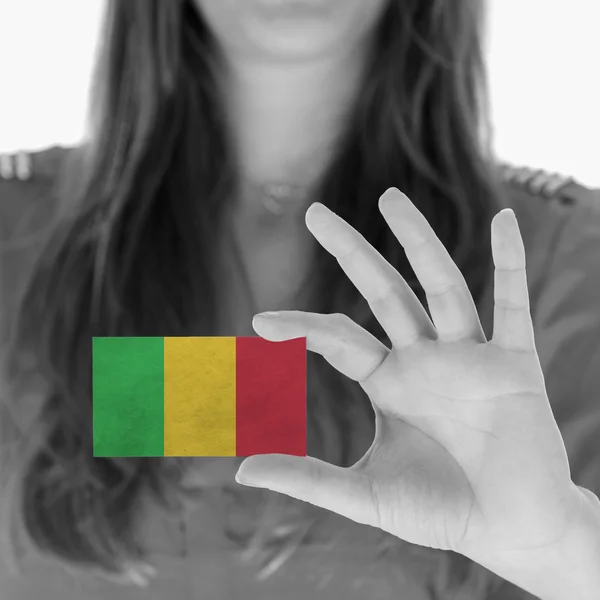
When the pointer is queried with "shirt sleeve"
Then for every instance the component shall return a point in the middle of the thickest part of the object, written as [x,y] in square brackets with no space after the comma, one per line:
[567,327]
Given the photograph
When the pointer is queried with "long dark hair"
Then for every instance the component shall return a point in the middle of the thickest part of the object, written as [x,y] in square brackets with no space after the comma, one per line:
[131,253]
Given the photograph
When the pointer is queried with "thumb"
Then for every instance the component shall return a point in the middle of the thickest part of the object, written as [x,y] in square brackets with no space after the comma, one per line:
[338,489]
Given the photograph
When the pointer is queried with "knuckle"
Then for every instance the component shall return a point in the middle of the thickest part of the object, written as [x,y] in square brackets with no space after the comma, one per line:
[341,319]
[395,290]
[451,288]
[510,305]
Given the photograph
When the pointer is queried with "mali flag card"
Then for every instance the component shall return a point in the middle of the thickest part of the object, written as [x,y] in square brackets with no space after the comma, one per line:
[198,396]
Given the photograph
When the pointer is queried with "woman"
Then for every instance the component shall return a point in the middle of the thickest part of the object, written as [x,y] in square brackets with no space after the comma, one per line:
[169,224]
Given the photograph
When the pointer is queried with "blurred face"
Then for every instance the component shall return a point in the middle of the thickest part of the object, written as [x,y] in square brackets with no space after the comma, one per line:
[290,29]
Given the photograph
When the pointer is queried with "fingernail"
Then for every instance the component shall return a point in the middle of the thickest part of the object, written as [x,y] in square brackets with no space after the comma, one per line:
[510,217]
[267,315]
[392,192]
[317,210]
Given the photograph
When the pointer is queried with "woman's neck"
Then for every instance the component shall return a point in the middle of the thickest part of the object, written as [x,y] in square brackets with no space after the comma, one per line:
[286,118]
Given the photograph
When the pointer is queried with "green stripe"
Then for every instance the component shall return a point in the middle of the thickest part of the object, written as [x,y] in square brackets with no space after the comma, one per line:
[128,392]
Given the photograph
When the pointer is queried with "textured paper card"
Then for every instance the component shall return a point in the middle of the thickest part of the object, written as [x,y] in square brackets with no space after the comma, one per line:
[198,396]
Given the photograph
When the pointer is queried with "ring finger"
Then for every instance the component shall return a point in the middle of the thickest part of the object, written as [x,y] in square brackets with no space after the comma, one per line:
[450,302]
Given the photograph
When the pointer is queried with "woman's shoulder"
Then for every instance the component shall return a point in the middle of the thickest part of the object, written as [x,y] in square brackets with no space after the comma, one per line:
[547,186]
[544,198]
[559,219]
[572,212]
[28,206]
[27,189]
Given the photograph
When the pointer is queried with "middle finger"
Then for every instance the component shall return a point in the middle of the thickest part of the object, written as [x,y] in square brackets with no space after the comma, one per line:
[390,298]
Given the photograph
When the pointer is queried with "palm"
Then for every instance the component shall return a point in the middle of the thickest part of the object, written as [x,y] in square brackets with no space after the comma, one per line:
[444,436]
[467,455]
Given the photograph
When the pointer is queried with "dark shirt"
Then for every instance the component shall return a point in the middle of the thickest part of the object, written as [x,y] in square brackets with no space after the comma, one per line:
[560,224]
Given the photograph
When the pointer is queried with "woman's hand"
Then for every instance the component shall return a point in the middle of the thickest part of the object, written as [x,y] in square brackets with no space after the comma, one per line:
[467,455]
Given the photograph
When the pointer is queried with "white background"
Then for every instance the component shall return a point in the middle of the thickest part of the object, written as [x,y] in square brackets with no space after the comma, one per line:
[544,58]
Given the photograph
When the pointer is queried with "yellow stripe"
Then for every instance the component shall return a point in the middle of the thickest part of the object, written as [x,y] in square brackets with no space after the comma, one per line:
[200,396]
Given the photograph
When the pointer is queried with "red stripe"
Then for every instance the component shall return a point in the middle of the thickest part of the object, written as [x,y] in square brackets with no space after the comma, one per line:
[270,396]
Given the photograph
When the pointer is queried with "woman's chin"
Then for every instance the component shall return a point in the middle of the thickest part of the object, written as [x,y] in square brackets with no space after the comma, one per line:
[292,39]
[296,28]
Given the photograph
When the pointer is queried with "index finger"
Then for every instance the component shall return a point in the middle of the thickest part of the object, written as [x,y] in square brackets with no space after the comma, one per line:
[392,301]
